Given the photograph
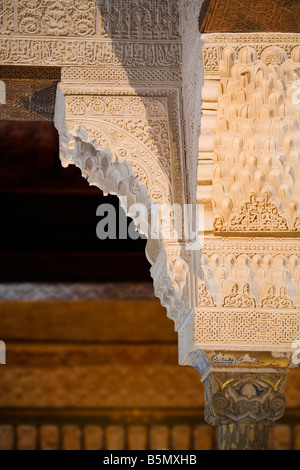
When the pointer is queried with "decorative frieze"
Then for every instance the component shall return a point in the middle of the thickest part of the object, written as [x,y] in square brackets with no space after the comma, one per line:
[247,328]
[120,77]
[114,175]
[257,215]
[66,51]
[8,72]
[144,122]
[128,115]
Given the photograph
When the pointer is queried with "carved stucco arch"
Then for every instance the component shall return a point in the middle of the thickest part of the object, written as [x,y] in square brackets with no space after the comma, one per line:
[115,175]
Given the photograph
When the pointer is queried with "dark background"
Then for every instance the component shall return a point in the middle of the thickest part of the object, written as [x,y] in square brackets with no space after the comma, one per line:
[48,216]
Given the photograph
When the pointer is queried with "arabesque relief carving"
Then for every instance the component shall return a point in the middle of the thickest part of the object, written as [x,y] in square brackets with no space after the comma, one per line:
[239,299]
[256,166]
[248,166]
[243,405]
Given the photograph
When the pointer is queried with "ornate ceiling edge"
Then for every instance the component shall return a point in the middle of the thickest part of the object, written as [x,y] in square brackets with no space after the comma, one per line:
[205,14]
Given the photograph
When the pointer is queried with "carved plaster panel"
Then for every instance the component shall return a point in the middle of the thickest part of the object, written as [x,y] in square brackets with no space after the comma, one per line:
[244,404]
[73,51]
[253,281]
[255,178]
[192,81]
[138,115]
[132,76]
[30,92]
[101,147]
[128,115]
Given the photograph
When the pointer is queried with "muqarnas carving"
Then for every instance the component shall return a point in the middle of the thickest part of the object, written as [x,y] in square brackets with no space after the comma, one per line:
[245,281]
[256,185]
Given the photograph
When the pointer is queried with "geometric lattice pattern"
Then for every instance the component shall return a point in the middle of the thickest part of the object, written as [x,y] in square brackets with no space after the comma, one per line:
[266,330]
